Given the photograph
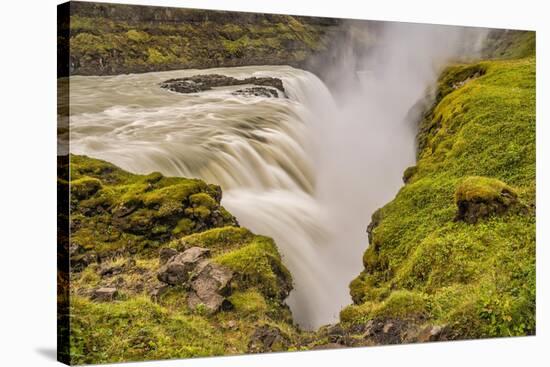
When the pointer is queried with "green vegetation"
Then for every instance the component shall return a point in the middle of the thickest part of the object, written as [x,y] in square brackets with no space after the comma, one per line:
[113,210]
[483,189]
[122,220]
[259,265]
[476,144]
[198,39]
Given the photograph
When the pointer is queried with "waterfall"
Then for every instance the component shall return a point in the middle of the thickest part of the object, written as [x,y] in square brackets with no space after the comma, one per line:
[263,152]
[308,170]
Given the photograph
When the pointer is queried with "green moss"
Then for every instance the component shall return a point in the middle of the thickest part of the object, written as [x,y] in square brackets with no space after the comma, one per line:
[85,187]
[112,209]
[137,36]
[249,303]
[476,143]
[483,189]
[137,329]
[258,264]
[218,240]
[399,304]
[104,45]
[156,57]
[184,226]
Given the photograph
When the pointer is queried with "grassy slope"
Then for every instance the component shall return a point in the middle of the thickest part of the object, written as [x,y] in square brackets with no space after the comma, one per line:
[479,279]
[102,44]
[171,212]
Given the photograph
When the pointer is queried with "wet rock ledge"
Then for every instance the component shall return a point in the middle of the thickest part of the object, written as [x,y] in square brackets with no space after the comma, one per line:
[263,86]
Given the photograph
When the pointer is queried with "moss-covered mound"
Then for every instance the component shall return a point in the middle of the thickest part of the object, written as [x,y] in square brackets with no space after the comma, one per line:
[114,212]
[114,39]
[121,311]
[480,197]
[474,277]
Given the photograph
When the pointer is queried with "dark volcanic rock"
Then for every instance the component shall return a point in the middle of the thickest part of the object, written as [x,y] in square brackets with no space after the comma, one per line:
[178,269]
[385,331]
[204,82]
[110,270]
[257,92]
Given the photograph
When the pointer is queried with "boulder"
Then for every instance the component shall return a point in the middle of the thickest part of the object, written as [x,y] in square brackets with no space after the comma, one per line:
[178,269]
[104,294]
[209,287]
[335,333]
[375,221]
[383,332]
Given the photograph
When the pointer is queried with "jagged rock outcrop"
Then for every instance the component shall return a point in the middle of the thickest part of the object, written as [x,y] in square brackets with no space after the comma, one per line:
[179,268]
[204,82]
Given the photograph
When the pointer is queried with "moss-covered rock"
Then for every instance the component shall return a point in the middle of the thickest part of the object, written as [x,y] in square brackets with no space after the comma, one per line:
[114,211]
[480,197]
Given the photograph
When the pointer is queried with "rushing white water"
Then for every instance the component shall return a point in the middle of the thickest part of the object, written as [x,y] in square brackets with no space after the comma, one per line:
[261,151]
[305,170]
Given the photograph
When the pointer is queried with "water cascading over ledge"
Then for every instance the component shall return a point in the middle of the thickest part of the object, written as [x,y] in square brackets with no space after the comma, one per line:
[306,170]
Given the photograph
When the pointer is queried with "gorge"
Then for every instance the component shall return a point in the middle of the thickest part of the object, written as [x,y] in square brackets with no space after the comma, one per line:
[375,135]
[288,167]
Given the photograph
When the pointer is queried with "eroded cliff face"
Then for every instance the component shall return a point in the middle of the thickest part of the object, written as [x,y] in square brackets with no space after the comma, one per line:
[114,39]
[453,255]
